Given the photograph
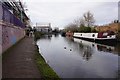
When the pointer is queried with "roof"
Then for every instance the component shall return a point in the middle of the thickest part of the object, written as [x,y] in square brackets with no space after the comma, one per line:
[42,26]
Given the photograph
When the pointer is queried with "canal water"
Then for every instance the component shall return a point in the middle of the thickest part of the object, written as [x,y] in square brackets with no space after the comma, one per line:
[76,58]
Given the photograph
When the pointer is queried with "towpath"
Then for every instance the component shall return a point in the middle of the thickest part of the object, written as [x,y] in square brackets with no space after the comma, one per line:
[18,62]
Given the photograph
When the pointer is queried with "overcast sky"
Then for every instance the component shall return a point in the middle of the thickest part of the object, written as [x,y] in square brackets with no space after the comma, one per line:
[62,12]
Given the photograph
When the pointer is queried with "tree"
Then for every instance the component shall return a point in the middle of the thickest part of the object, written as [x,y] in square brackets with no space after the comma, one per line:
[81,29]
[84,29]
[89,18]
[77,22]
[71,27]
[93,30]
[34,29]
[56,30]
[82,22]
[87,29]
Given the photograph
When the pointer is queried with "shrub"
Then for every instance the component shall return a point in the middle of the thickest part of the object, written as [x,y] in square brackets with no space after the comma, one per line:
[37,35]
[84,29]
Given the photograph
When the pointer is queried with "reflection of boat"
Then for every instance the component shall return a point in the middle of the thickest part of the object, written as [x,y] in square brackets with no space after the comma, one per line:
[63,34]
[98,47]
[105,48]
[101,37]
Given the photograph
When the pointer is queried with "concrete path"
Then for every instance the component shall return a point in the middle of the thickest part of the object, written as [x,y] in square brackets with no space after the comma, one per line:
[19,61]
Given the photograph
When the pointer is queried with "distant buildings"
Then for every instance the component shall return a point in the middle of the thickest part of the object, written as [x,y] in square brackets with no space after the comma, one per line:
[44,28]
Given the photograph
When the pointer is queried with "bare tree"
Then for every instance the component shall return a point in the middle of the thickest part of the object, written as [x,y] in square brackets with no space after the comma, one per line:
[71,27]
[82,22]
[77,22]
[89,18]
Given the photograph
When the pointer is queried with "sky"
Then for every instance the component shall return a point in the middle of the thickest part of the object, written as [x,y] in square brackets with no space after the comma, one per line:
[62,12]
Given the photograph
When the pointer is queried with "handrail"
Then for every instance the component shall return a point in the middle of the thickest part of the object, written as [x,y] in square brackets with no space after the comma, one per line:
[10,18]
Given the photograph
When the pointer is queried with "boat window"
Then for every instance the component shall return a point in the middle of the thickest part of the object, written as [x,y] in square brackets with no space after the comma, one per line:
[93,35]
[81,34]
[105,34]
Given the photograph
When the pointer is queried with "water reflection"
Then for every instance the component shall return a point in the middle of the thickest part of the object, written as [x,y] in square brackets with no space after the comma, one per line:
[56,34]
[86,49]
[105,48]
[47,37]
[76,58]
[87,53]
[98,47]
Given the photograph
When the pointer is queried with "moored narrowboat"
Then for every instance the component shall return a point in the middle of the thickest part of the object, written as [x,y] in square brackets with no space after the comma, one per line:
[101,37]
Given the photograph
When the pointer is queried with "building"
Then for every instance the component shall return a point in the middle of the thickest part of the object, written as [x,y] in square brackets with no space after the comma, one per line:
[13,21]
[44,28]
[16,8]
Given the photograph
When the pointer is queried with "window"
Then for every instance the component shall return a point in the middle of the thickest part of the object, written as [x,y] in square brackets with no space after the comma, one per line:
[81,34]
[105,34]
[93,35]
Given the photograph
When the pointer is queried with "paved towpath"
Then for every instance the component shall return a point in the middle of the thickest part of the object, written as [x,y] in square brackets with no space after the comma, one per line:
[18,62]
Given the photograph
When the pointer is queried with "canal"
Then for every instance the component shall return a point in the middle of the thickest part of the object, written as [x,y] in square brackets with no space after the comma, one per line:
[76,58]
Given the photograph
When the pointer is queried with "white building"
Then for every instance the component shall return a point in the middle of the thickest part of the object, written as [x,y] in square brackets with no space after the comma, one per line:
[44,28]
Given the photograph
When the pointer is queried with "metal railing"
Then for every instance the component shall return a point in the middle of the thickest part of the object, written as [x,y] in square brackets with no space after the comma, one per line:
[10,18]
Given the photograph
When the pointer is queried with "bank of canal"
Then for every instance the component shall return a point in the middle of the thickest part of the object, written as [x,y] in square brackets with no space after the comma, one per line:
[46,71]
[75,58]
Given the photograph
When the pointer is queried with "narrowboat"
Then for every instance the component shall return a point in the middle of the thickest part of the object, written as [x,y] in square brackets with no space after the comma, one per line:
[63,34]
[101,37]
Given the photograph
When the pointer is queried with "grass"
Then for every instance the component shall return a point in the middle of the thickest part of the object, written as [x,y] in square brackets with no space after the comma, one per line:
[37,35]
[46,71]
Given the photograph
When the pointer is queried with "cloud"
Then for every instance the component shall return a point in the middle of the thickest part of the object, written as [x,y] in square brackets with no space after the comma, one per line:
[106,12]
[62,13]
